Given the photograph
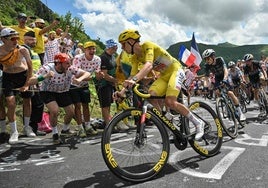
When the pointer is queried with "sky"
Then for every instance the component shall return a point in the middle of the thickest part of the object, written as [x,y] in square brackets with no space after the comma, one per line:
[167,22]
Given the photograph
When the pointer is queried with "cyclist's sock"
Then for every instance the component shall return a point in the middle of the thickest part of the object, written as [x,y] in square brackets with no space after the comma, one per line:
[193,119]
[238,108]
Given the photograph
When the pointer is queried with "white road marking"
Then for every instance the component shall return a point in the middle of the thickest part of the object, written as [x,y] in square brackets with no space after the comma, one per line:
[248,140]
[218,170]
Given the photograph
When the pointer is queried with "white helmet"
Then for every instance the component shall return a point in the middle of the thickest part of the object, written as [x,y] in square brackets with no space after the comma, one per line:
[248,57]
[208,53]
[231,63]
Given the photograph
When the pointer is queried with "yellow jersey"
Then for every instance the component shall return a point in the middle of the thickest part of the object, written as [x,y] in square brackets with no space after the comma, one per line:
[21,32]
[158,56]
[40,41]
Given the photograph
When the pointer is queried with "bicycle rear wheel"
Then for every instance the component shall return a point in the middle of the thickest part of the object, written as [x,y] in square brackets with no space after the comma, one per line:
[134,161]
[263,102]
[227,117]
[211,141]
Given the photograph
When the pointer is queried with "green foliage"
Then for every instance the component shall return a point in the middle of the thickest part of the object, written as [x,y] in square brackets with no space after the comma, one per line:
[10,9]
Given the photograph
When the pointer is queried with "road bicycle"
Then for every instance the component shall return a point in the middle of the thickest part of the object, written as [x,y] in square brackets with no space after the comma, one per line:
[139,155]
[227,113]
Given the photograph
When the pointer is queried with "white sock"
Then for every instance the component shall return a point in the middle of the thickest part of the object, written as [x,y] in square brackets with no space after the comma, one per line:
[13,126]
[193,119]
[66,127]
[80,126]
[3,125]
[87,125]
[55,130]
[26,121]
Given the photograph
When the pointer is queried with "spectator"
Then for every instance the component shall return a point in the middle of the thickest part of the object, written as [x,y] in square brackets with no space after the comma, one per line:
[17,69]
[21,28]
[91,63]
[105,86]
[52,47]
[79,49]
[37,103]
[40,30]
[55,87]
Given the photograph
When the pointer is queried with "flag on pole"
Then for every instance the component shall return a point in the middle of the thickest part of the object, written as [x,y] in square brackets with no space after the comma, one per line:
[195,51]
[186,56]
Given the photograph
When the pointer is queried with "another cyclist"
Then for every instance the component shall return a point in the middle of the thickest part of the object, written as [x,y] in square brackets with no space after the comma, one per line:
[236,76]
[171,75]
[218,67]
[254,73]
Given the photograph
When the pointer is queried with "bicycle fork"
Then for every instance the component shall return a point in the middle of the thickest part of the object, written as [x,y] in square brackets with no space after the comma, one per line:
[141,134]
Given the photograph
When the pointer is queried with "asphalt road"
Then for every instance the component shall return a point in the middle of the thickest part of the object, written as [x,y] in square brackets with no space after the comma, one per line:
[242,162]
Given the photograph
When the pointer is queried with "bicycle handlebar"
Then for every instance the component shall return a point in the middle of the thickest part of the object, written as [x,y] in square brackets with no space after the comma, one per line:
[140,94]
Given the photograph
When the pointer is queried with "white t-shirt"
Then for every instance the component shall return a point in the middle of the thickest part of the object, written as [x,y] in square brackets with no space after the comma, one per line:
[60,82]
[94,65]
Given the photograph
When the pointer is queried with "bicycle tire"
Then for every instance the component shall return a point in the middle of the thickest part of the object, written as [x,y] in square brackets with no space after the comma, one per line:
[243,93]
[243,100]
[264,101]
[128,161]
[211,141]
[227,117]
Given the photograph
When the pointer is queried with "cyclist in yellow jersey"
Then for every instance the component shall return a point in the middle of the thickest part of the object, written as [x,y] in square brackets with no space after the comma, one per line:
[171,74]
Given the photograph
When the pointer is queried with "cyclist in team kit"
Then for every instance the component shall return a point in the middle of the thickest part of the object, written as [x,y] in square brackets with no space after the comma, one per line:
[218,67]
[254,74]
[171,74]
[235,77]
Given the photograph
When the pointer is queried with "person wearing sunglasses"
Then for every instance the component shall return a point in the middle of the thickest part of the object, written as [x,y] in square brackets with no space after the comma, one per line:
[21,28]
[17,69]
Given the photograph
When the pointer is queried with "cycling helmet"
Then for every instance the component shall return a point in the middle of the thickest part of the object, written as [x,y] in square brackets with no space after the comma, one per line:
[61,58]
[248,57]
[208,53]
[127,34]
[231,63]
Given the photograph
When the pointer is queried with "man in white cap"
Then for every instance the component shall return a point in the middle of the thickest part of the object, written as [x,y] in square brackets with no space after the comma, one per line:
[39,30]
[17,69]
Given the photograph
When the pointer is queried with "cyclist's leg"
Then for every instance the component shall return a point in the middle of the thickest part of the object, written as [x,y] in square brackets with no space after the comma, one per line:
[172,92]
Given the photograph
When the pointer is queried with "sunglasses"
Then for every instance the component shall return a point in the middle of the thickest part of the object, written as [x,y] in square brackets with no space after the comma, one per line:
[13,38]
[23,18]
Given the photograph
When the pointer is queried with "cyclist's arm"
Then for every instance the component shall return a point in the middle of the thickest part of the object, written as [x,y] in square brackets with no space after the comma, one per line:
[147,67]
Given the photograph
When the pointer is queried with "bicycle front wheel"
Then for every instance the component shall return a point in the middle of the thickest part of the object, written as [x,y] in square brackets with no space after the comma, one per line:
[131,160]
[227,117]
[211,141]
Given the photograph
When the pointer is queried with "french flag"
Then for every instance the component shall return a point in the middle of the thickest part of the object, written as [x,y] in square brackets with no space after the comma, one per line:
[186,56]
[195,51]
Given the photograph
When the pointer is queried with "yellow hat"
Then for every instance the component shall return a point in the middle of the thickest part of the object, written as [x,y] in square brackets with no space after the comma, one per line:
[52,32]
[89,44]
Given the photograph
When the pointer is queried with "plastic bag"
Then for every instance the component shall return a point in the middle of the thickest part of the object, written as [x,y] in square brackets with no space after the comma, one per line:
[44,125]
